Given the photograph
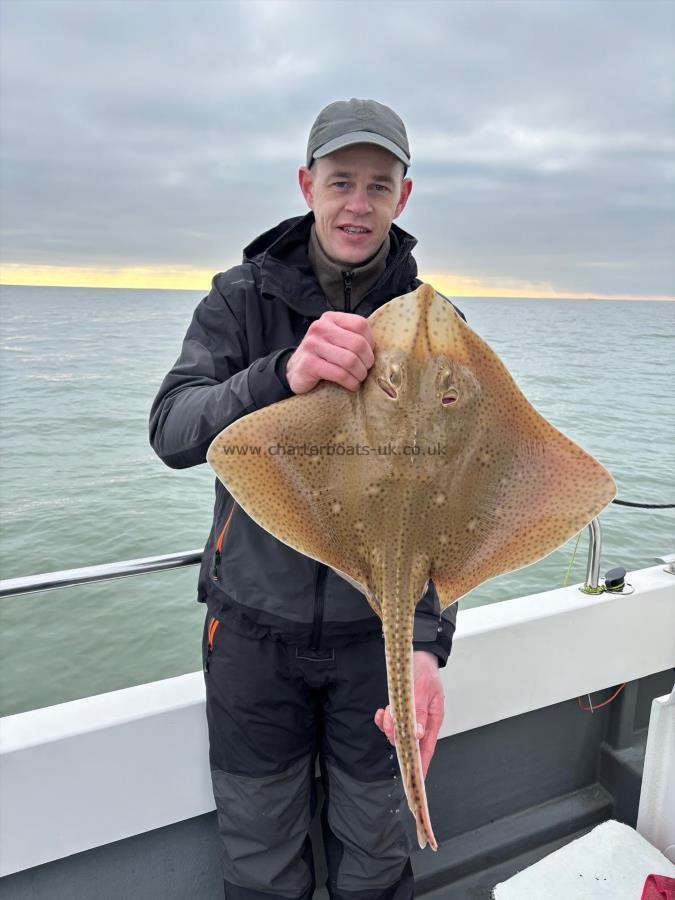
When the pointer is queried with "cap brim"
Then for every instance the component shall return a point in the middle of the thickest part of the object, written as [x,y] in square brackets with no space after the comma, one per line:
[361,137]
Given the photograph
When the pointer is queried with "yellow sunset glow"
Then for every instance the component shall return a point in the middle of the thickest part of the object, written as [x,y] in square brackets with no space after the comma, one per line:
[184,278]
[464,286]
[189,278]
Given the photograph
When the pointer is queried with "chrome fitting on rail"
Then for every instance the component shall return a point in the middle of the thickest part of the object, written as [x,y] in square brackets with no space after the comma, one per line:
[615,580]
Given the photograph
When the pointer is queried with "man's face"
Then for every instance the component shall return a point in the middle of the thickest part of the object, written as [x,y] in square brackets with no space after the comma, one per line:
[355,194]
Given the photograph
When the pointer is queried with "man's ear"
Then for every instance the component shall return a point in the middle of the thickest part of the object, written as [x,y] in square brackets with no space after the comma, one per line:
[306,182]
[406,188]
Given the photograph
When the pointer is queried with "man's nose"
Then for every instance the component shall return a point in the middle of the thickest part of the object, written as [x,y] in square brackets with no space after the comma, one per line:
[359,202]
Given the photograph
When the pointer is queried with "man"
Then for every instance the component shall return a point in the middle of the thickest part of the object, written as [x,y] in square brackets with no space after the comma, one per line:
[293,655]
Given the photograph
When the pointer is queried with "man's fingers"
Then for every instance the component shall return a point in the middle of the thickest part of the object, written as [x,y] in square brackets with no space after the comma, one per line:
[339,356]
[345,330]
[388,723]
[332,352]
[385,723]
[358,338]
[426,736]
[351,322]
[322,369]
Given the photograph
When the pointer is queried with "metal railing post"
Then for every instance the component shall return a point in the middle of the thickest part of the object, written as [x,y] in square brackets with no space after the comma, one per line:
[592,585]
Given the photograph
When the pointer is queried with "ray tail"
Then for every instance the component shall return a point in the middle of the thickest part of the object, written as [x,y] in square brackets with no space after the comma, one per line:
[397,627]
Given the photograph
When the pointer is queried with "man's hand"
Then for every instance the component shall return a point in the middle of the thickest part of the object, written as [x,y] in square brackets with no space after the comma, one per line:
[337,347]
[429,706]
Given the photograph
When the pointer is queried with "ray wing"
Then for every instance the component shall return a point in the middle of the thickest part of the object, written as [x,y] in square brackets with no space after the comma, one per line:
[290,467]
[519,488]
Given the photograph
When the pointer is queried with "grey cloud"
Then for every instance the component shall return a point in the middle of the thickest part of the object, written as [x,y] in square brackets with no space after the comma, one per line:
[150,133]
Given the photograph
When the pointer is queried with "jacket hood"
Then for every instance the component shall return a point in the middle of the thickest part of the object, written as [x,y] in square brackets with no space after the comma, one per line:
[280,255]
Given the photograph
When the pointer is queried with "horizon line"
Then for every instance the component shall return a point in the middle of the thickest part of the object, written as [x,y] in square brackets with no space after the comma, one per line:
[188,278]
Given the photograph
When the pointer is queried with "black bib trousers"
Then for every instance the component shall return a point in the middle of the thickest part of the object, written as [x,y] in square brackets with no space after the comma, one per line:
[272,709]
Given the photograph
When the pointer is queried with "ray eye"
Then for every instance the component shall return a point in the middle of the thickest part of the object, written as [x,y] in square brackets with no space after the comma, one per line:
[389,390]
[449,397]
[445,379]
[395,375]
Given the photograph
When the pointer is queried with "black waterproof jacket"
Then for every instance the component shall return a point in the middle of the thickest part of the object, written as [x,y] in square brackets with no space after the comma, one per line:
[229,366]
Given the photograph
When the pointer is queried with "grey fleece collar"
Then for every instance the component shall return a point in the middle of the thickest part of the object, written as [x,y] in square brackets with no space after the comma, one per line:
[344,289]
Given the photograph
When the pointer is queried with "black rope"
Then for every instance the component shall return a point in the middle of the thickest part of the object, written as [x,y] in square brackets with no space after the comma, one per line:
[645,505]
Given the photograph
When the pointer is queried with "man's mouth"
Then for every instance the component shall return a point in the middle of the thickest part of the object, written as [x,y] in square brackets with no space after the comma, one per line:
[354,229]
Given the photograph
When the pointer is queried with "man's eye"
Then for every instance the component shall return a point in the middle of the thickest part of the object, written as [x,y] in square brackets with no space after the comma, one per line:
[340,184]
[380,188]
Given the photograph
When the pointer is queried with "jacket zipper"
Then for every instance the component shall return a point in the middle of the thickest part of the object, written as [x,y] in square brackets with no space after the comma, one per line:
[213,625]
[319,598]
[219,544]
[347,285]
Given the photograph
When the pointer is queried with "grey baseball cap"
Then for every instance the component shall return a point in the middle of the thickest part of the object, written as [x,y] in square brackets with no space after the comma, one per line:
[354,121]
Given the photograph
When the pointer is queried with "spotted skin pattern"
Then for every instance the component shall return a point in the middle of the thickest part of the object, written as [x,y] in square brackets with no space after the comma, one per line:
[503,488]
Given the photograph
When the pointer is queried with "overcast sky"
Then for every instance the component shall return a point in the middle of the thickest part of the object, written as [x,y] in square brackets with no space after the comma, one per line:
[169,133]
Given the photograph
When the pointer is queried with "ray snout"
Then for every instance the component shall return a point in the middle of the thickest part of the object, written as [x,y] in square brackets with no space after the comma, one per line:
[419,324]
[434,326]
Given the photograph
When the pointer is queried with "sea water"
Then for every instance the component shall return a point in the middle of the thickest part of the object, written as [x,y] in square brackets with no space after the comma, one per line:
[80,485]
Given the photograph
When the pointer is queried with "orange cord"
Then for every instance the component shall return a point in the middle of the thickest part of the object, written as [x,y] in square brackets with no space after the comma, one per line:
[219,542]
[212,630]
[606,702]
